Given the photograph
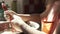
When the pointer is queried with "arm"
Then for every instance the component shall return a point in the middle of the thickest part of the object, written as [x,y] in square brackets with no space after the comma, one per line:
[26,28]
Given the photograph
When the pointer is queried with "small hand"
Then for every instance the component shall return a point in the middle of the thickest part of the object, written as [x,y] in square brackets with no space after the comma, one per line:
[18,20]
[14,17]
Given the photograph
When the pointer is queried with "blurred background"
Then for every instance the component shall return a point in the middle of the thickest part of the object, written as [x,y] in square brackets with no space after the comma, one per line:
[26,6]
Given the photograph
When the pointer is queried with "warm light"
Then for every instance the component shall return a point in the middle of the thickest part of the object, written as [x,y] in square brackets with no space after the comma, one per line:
[46,27]
[50,16]
[48,21]
[44,20]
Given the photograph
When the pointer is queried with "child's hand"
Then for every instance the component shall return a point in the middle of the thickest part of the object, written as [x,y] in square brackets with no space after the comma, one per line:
[18,20]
